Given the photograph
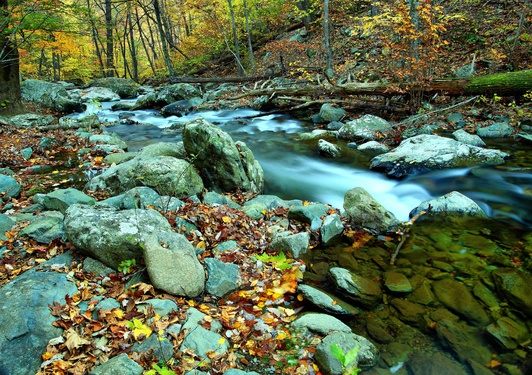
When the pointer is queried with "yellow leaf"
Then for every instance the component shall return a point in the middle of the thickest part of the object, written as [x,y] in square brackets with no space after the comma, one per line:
[140,329]
[221,341]
[55,172]
[118,313]
[226,219]
[201,245]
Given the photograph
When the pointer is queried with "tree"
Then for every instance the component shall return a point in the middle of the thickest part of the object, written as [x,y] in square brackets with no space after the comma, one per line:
[326,38]
[9,60]
[235,38]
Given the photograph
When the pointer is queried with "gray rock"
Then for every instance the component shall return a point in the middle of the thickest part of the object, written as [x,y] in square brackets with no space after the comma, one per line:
[26,152]
[329,113]
[61,199]
[45,228]
[98,94]
[322,324]
[365,212]
[496,130]
[9,187]
[434,364]
[140,197]
[50,95]
[457,297]
[508,333]
[454,118]
[308,213]
[196,318]
[317,134]
[162,307]
[226,246]
[174,149]
[213,198]
[109,235]
[235,371]
[297,245]
[162,348]
[108,139]
[172,264]
[31,120]
[469,139]
[362,290]
[96,267]
[329,149]
[25,319]
[513,284]
[366,127]
[119,365]
[119,157]
[397,282]
[335,125]
[202,341]
[424,153]
[124,87]
[223,164]
[373,147]
[176,108]
[331,229]
[326,301]
[451,205]
[222,277]
[5,225]
[367,356]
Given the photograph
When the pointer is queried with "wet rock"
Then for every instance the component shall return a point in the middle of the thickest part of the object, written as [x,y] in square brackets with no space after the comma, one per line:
[124,87]
[297,245]
[119,365]
[465,341]
[177,108]
[98,94]
[513,284]
[365,212]
[61,199]
[328,149]
[434,364]
[162,349]
[409,312]
[224,165]
[425,153]
[309,213]
[362,290]
[469,139]
[109,235]
[50,95]
[367,355]
[174,149]
[9,187]
[485,296]
[453,204]
[331,228]
[172,264]
[45,228]
[457,297]
[108,139]
[222,277]
[329,113]
[235,371]
[322,324]
[365,127]
[378,330]
[373,147]
[325,301]
[5,225]
[496,130]
[508,333]
[317,134]
[397,282]
[423,294]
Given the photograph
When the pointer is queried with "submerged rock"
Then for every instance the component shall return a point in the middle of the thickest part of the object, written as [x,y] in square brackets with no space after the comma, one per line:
[513,284]
[362,290]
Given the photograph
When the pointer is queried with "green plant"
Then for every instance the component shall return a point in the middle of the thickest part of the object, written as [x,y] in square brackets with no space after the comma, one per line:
[348,360]
[125,266]
[160,370]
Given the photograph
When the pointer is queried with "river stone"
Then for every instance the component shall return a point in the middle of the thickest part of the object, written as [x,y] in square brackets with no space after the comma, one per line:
[331,228]
[508,333]
[397,282]
[328,149]
[119,365]
[367,356]
[174,149]
[224,165]
[97,94]
[449,206]
[50,95]
[61,199]
[366,127]
[496,130]
[308,213]
[317,134]
[119,157]
[25,318]
[326,301]
[176,108]
[379,330]
[172,264]
[202,341]
[196,318]
[297,245]
[365,212]
[373,147]
[31,120]
[222,277]
[126,88]
[457,297]
[45,228]
[319,323]
[177,91]
[108,139]
[434,364]
[9,187]
[409,312]
[234,371]
[513,284]
[109,235]
[212,198]
[5,225]
[363,290]
[96,267]
[423,294]
[469,139]
[425,153]
[329,113]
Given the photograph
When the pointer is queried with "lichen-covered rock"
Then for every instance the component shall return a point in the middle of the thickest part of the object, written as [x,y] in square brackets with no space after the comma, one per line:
[450,205]
[50,95]
[365,212]
[222,277]
[328,149]
[513,284]
[124,87]
[470,139]
[366,127]
[61,199]
[328,113]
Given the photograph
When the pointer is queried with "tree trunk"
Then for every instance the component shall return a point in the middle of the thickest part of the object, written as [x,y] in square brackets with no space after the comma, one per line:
[162,35]
[109,63]
[9,66]
[132,47]
[235,38]
[326,39]
[248,31]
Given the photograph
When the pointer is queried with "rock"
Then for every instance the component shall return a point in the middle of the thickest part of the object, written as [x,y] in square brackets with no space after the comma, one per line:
[109,235]
[174,149]
[512,284]
[50,95]
[162,307]
[508,333]
[297,245]
[5,225]
[367,355]
[61,199]
[308,213]
[325,301]
[160,346]
[331,229]
[196,318]
[172,264]
[223,164]
[469,139]
[222,277]
[98,94]
[45,228]
[335,125]
[409,312]
[329,113]
[397,282]
[176,108]
[423,294]
[9,187]
[165,174]
[373,147]
[317,134]
[362,290]
[108,139]
[234,371]
[178,91]
[27,153]
[457,297]
[328,149]
[124,87]
[496,130]
[118,158]
[319,323]
[365,212]
[365,127]
[140,197]
[202,341]
[25,319]
[119,365]
[31,120]
[434,364]
[454,118]
[451,205]
[425,153]
[96,267]
[212,198]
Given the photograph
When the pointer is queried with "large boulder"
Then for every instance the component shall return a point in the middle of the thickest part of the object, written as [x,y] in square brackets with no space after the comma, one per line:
[165,174]
[125,88]
[329,113]
[109,235]
[366,127]
[223,164]
[50,95]
[449,206]
[425,153]
[98,94]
